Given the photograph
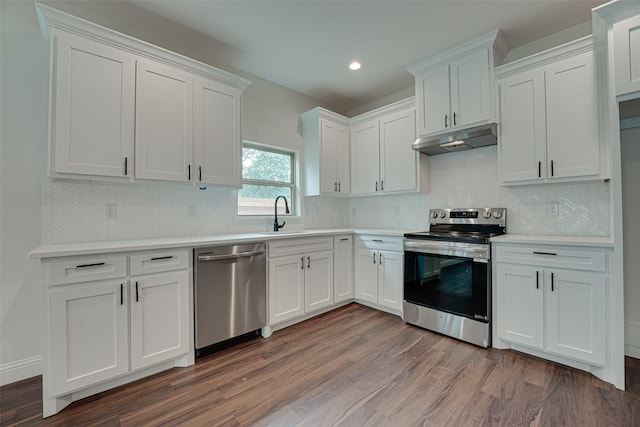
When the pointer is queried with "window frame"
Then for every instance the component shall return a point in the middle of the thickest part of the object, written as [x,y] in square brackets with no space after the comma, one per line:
[291,184]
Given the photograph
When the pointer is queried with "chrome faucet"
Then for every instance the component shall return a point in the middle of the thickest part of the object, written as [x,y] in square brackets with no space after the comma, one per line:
[277,226]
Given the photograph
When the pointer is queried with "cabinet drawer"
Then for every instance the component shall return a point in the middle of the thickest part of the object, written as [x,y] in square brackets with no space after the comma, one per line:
[387,243]
[299,246]
[86,269]
[159,261]
[552,256]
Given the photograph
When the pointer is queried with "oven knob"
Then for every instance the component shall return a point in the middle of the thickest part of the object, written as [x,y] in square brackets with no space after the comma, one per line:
[486,214]
[497,214]
[434,214]
[443,214]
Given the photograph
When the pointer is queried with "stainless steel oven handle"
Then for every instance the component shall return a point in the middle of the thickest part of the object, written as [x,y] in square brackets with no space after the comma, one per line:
[228,256]
[452,249]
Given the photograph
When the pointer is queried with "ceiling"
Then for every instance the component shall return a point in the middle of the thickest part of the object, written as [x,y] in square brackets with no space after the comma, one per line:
[307,45]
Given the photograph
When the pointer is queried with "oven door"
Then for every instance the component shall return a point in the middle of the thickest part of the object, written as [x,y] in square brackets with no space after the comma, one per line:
[449,277]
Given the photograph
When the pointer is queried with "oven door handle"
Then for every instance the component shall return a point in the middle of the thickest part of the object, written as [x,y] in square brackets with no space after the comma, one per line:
[479,253]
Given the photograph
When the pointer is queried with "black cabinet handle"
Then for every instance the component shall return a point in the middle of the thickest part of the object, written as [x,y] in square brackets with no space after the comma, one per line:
[97,264]
[381,185]
[551,167]
[380,259]
[158,258]
[121,294]
[537,279]
[539,169]
[544,253]
[126,168]
[551,282]
[454,119]
[308,262]
[376,185]
[445,120]
[302,262]
[374,257]
[339,188]
[136,291]
[200,173]
[344,239]
[335,187]
[188,172]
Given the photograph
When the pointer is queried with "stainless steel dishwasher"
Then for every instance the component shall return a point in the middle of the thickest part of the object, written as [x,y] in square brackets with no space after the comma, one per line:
[230,293]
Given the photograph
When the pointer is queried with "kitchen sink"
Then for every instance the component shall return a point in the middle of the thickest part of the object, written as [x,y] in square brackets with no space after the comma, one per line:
[281,233]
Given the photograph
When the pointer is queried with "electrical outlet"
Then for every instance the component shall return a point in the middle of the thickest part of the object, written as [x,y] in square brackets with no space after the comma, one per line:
[552,208]
[110,212]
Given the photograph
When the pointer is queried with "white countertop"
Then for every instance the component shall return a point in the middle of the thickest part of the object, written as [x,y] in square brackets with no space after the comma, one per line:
[87,248]
[593,241]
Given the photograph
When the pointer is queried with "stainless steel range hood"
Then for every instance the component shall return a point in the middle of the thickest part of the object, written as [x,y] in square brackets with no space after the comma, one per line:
[465,139]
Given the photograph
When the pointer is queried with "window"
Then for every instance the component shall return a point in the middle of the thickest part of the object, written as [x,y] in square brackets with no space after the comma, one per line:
[266,174]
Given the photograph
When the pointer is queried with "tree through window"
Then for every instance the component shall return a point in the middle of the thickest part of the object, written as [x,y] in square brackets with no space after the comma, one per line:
[266,174]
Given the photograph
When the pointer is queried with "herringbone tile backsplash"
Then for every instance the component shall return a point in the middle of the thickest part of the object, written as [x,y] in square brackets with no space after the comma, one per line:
[75,212]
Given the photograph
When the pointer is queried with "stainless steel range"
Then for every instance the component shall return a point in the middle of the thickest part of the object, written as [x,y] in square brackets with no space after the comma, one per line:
[447,273]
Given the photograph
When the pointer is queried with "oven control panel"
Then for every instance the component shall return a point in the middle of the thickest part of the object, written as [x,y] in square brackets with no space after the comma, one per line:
[480,216]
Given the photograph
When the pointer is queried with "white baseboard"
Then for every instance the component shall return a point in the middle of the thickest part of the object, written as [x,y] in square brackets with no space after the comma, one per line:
[632,339]
[20,370]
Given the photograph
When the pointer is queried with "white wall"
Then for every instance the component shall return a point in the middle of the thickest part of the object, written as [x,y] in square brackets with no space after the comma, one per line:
[630,162]
[23,149]
[470,179]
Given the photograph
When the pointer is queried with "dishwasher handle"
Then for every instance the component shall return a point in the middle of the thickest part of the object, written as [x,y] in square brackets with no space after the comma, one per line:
[211,257]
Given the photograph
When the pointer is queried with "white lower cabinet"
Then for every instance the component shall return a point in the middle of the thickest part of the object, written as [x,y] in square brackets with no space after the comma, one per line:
[300,277]
[554,300]
[342,268]
[104,324]
[378,266]
[88,338]
[159,314]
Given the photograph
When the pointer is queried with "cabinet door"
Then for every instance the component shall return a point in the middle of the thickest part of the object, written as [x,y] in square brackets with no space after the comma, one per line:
[366,275]
[88,335]
[159,318]
[94,101]
[576,315]
[390,279]
[343,161]
[433,108]
[397,158]
[520,304]
[523,142]
[343,268]
[218,141]
[328,149]
[572,118]
[286,288]
[626,39]
[164,122]
[318,280]
[365,158]
[470,92]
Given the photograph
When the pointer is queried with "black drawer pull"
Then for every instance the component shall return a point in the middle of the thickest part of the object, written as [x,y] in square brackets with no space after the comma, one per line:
[97,264]
[377,240]
[158,258]
[544,253]
[344,239]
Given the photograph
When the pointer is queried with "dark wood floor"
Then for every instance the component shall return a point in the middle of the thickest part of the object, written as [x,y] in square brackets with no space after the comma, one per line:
[352,367]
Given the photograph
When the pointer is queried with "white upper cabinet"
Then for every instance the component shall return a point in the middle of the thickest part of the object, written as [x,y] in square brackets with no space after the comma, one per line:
[326,153]
[121,107]
[93,96]
[454,89]
[218,138]
[549,117]
[626,39]
[382,160]
[164,122]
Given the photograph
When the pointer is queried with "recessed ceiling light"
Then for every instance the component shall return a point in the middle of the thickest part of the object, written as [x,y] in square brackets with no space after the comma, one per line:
[355,65]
